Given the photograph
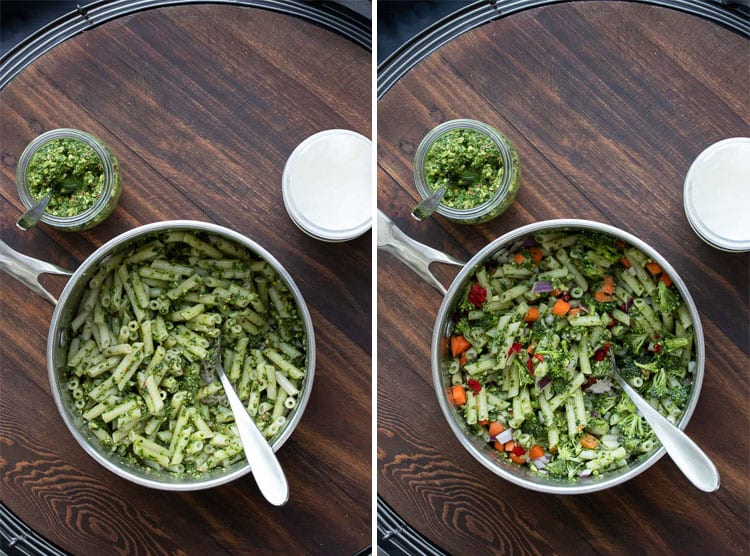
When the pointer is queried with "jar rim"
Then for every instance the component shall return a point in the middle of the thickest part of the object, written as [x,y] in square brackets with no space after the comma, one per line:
[107,167]
[497,138]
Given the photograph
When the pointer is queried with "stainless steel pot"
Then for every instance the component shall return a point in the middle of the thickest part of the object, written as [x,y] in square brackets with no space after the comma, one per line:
[27,270]
[419,257]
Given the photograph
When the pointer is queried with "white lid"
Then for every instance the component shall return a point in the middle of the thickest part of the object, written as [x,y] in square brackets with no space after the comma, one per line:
[327,185]
[717,195]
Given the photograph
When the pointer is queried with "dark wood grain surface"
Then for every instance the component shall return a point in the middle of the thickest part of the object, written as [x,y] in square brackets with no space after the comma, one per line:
[607,103]
[202,104]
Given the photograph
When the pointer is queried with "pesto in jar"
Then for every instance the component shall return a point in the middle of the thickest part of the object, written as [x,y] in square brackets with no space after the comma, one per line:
[70,172]
[469,163]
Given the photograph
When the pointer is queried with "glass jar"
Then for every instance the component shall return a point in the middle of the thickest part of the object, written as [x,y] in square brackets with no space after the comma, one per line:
[508,184]
[105,202]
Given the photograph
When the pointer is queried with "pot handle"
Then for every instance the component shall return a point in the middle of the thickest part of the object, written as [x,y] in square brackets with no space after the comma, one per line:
[27,270]
[417,256]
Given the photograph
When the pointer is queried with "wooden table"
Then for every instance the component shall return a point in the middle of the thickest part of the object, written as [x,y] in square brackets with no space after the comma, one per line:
[607,103]
[202,104]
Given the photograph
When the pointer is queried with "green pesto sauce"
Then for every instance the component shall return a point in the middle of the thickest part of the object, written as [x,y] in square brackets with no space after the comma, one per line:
[469,163]
[70,172]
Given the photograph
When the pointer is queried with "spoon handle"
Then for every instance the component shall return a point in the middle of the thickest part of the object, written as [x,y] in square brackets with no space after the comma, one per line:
[685,453]
[265,467]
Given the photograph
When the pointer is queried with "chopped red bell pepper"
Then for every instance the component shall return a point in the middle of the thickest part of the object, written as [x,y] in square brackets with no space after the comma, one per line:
[474,385]
[515,348]
[477,295]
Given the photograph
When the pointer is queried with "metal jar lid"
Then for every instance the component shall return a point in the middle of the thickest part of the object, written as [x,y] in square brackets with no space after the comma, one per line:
[717,195]
[327,185]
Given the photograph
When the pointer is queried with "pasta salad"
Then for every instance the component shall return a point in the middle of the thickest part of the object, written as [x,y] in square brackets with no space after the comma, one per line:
[529,352]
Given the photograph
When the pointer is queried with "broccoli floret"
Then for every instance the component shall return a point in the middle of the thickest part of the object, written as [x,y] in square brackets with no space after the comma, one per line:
[563,469]
[672,364]
[630,444]
[678,395]
[628,369]
[559,385]
[624,404]
[566,450]
[597,426]
[650,366]
[604,403]
[635,340]
[632,426]
[604,245]
[667,299]
[601,369]
[533,426]
[658,386]
[673,344]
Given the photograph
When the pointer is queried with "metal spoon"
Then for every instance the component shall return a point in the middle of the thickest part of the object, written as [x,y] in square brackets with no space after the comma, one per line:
[266,469]
[428,206]
[685,453]
[29,218]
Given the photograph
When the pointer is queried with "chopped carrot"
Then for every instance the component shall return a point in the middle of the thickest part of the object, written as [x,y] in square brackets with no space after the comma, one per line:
[589,441]
[484,422]
[496,428]
[532,315]
[609,285]
[536,451]
[519,258]
[625,262]
[555,292]
[574,311]
[459,394]
[560,308]
[462,360]
[536,254]
[653,268]
[459,344]
[499,446]
[666,279]
[516,459]
[509,446]
[602,297]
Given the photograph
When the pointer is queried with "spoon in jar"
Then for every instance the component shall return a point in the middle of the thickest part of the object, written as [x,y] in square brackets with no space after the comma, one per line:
[685,453]
[266,468]
[428,205]
[29,218]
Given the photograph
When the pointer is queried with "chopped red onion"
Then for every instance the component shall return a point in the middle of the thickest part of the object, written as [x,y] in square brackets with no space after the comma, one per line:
[541,462]
[505,436]
[542,286]
[628,304]
[529,242]
[543,382]
[585,473]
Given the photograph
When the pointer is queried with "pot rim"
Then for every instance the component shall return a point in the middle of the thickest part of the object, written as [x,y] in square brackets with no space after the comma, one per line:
[544,484]
[56,337]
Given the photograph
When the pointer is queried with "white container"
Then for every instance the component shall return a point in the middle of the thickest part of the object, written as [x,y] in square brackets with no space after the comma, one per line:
[327,185]
[717,195]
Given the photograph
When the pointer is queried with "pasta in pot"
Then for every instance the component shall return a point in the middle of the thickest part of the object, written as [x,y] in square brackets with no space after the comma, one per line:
[137,363]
